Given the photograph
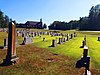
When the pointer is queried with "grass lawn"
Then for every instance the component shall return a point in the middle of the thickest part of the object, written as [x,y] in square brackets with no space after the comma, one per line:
[40,59]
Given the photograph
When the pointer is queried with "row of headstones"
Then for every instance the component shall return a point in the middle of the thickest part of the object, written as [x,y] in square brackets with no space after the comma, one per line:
[27,39]
[62,40]
[29,33]
[32,34]
[85,59]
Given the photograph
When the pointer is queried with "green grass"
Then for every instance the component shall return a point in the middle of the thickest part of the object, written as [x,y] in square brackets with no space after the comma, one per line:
[70,48]
[33,57]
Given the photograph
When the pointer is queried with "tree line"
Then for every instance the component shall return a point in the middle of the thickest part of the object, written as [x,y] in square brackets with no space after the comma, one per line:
[4,20]
[91,22]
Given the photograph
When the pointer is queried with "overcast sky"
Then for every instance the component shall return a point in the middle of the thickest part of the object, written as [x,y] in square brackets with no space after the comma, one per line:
[48,10]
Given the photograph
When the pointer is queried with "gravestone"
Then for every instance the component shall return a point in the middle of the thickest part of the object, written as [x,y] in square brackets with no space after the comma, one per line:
[52,34]
[64,39]
[11,56]
[6,43]
[85,37]
[18,33]
[48,33]
[98,38]
[60,41]
[27,40]
[67,38]
[35,34]
[83,43]
[38,33]
[43,39]
[23,35]
[53,43]
[62,35]
[71,36]
[75,35]
[84,61]
[32,34]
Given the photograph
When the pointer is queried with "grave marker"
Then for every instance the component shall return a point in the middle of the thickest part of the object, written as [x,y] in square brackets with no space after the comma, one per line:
[67,38]
[60,41]
[18,33]
[84,61]
[64,40]
[71,36]
[23,34]
[83,43]
[85,37]
[53,43]
[75,34]
[6,43]
[43,39]
[98,38]
[11,57]
[27,40]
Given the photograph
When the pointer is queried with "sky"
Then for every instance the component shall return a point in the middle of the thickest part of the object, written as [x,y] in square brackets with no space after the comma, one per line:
[48,10]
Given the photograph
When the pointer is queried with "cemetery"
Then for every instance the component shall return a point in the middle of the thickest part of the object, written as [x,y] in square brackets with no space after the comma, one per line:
[44,52]
[49,37]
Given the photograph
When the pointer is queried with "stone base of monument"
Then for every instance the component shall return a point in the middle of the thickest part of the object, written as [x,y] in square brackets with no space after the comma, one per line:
[88,73]
[10,61]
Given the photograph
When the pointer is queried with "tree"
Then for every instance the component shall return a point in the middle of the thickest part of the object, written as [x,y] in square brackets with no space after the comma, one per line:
[92,22]
[1,19]
[44,26]
[57,25]
[6,21]
[94,15]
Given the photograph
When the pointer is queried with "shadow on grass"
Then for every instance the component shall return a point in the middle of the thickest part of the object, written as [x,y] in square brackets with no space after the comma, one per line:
[51,46]
[1,47]
[55,54]
[81,46]
[4,64]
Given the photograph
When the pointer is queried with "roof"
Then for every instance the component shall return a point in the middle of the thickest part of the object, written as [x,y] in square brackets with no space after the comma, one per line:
[32,22]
